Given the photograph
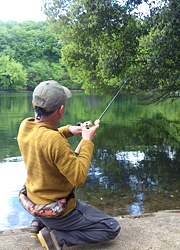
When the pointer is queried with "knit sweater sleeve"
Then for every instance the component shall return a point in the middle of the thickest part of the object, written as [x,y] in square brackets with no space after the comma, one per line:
[75,169]
[65,131]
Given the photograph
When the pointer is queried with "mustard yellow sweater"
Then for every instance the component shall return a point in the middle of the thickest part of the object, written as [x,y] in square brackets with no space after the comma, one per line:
[52,167]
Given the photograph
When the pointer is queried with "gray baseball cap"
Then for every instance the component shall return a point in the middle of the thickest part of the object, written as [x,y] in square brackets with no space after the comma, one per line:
[50,95]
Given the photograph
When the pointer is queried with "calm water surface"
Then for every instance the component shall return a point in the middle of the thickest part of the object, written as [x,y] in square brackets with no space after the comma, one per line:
[136,162]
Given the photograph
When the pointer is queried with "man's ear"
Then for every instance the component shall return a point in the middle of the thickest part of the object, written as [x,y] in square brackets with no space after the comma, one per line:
[61,110]
[33,104]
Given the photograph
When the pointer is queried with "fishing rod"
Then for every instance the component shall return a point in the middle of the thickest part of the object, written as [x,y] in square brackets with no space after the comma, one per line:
[89,124]
[103,113]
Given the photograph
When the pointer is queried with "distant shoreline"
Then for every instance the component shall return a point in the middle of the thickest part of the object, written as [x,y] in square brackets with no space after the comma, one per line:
[30,91]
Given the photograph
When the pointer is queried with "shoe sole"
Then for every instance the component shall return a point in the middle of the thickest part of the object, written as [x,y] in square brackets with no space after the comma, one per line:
[33,235]
[42,240]
[44,244]
[35,228]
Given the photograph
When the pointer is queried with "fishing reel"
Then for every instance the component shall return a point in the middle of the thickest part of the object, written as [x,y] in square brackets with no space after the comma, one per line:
[89,124]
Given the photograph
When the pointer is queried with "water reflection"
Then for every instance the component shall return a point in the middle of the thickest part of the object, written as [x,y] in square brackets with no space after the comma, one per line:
[132,182]
[132,157]
[12,178]
[136,207]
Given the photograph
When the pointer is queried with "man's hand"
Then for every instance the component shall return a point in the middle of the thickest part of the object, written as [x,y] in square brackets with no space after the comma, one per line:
[75,130]
[89,133]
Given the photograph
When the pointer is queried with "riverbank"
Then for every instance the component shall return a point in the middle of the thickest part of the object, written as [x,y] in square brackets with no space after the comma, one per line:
[31,91]
[154,231]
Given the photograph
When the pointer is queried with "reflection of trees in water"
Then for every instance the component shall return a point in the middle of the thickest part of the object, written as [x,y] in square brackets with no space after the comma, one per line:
[92,101]
[13,109]
[138,169]
[133,185]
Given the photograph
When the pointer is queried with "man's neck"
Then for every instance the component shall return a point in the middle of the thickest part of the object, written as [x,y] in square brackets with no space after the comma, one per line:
[47,120]
[53,124]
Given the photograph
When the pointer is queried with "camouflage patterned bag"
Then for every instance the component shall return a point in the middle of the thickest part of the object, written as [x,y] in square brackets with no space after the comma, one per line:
[47,210]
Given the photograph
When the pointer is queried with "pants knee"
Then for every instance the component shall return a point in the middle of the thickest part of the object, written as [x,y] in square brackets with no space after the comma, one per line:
[115,229]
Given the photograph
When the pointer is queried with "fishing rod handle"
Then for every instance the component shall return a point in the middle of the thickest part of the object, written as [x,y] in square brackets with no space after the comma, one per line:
[78,148]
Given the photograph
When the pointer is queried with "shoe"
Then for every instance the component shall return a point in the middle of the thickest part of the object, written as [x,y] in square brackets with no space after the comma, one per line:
[48,239]
[35,227]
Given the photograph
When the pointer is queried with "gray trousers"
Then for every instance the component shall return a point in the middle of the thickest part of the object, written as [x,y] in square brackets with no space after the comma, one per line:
[84,225]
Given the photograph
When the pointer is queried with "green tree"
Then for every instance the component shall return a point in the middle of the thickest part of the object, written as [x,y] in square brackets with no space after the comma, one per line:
[101,39]
[36,47]
[37,72]
[12,75]
[107,41]
[61,75]
[162,46]
[33,42]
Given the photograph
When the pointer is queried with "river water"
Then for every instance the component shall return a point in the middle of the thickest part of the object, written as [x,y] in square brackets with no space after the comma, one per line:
[136,162]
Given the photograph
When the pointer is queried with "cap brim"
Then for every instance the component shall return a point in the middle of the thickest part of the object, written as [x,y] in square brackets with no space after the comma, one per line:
[67,92]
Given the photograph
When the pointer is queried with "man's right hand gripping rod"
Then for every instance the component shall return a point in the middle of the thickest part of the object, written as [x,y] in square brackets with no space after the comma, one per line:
[88,125]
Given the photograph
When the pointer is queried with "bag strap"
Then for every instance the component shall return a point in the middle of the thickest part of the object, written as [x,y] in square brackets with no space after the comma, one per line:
[71,195]
[24,192]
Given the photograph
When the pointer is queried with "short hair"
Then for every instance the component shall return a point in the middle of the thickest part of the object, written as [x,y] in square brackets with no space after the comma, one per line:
[41,111]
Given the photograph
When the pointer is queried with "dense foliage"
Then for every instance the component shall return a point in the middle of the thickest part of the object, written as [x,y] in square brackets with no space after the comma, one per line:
[29,53]
[108,41]
[97,45]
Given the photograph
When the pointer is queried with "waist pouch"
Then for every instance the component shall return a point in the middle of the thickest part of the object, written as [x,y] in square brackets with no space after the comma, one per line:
[53,209]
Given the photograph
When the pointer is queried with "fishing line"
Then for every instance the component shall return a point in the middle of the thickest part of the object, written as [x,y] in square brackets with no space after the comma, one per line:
[106,106]
[103,113]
